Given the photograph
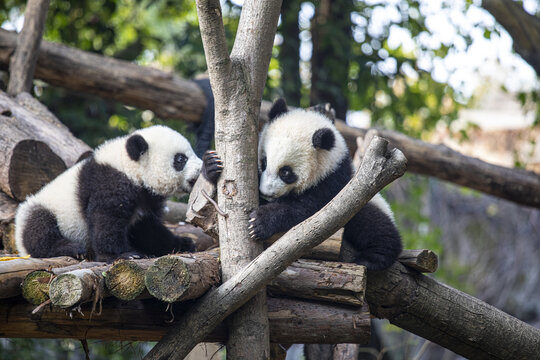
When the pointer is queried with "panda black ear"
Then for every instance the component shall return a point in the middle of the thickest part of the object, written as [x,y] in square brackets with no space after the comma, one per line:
[323,139]
[136,146]
[278,108]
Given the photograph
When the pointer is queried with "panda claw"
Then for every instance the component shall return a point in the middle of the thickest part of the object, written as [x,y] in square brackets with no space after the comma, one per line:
[252,220]
[250,226]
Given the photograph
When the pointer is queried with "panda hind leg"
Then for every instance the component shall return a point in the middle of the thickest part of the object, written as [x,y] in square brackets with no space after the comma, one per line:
[372,238]
[42,237]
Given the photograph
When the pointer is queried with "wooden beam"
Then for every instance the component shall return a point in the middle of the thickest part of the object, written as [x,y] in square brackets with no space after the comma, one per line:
[290,321]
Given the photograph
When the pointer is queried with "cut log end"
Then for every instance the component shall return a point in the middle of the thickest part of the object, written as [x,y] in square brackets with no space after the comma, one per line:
[168,279]
[67,290]
[125,280]
[33,164]
[35,287]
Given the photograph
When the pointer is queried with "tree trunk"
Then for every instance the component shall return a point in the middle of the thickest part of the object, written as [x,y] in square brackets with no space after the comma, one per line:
[34,146]
[290,321]
[237,84]
[13,272]
[23,61]
[448,317]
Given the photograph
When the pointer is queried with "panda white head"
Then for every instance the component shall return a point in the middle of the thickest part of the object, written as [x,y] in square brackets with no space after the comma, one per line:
[297,149]
[156,157]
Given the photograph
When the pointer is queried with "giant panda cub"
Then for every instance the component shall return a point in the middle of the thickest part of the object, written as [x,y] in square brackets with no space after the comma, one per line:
[108,206]
[303,163]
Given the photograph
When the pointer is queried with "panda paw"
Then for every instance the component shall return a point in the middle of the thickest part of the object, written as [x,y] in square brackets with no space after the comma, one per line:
[130,255]
[212,166]
[185,244]
[258,227]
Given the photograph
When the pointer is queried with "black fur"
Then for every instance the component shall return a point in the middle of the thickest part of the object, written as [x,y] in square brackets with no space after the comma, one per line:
[278,108]
[212,166]
[205,131]
[136,146]
[370,232]
[323,139]
[42,238]
[122,217]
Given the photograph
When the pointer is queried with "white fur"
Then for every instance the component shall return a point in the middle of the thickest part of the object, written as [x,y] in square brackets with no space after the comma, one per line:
[288,141]
[155,168]
[60,198]
[383,205]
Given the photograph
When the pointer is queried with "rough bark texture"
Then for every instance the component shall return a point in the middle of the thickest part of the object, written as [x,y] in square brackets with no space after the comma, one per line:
[23,61]
[326,281]
[237,83]
[290,321]
[182,277]
[8,209]
[34,146]
[166,94]
[448,317]
[520,186]
[377,170]
[523,27]
[77,286]
[13,272]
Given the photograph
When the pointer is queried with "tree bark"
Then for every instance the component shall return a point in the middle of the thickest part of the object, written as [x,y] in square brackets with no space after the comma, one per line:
[78,286]
[237,84]
[448,317]
[23,61]
[13,272]
[517,185]
[523,27]
[290,321]
[34,146]
[377,170]
[8,209]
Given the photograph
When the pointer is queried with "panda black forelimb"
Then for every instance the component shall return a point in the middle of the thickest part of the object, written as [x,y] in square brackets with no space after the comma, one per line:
[212,166]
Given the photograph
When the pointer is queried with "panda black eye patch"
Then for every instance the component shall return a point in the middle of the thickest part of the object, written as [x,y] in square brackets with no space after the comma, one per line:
[180,161]
[263,163]
[287,175]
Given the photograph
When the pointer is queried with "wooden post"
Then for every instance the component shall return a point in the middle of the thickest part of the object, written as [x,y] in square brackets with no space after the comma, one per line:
[23,62]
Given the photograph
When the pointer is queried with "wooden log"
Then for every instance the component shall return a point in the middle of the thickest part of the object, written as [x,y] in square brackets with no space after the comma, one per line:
[13,272]
[23,61]
[448,317]
[78,286]
[125,278]
[517,185]
[33,149]
[425,261]
[290,321]
[8,209]
[176,277]
[322,280]
[166,94]
[35,286]
[182,277]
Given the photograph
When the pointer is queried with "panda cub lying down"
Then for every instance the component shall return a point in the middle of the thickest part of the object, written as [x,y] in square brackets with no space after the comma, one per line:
[303,164]
[109,206]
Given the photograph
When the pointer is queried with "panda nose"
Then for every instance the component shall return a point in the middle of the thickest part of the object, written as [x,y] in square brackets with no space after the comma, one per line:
[191,182]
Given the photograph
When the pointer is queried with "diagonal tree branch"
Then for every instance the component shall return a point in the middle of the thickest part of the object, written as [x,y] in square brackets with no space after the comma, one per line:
[378,169]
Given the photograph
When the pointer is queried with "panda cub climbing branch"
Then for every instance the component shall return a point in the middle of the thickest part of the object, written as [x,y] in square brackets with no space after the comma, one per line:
[109,206]
[303,163]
